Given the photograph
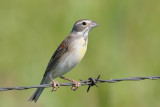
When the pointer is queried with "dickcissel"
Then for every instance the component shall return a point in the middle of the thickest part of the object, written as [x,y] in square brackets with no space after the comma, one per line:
[69,53]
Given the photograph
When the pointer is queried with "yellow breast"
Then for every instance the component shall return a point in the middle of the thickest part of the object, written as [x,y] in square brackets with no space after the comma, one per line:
[83,49]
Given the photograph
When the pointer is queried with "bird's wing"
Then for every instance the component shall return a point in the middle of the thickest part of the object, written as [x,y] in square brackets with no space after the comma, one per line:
[63,47]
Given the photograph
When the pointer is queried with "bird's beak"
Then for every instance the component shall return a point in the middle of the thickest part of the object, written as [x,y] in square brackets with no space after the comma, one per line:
[94,24]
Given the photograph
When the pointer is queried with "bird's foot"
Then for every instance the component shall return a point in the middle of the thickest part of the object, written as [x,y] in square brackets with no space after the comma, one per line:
[54,84]
[76,86]
[76,83]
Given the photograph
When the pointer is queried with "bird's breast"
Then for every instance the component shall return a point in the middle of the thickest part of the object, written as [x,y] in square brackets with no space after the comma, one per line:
[72,57]
[78,50]
[75,53]
[81,48]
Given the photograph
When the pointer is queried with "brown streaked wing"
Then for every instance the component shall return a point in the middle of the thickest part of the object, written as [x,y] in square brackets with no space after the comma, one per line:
[63,47]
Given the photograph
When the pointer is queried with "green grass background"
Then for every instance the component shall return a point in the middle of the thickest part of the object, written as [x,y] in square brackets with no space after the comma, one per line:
[126,44]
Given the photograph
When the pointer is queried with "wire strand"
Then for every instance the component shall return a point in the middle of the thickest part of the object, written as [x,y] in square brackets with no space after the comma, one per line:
[90,82]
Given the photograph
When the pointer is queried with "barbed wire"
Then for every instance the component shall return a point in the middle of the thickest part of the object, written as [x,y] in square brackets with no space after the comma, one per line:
[90,82]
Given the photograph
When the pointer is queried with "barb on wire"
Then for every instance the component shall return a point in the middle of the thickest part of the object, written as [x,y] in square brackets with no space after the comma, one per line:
[90,82]
[93,82]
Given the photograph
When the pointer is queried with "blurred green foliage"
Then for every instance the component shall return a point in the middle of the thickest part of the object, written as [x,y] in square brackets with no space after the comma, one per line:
[126,44]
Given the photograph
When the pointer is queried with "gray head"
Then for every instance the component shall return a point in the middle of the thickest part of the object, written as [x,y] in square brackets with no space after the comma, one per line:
[83,26]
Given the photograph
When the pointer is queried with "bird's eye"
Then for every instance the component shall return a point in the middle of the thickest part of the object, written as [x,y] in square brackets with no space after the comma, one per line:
[83,23]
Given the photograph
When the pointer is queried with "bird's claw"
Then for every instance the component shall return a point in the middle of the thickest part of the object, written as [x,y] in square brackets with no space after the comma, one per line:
[76,86]
[55,83]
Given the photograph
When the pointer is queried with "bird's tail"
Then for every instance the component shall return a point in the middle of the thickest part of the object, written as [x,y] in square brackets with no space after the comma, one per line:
[38,92]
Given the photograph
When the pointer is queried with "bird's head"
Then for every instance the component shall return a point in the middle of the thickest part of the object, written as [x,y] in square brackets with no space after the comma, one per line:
[82,27]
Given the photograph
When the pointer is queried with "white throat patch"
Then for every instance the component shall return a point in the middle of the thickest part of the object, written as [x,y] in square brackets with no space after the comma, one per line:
[84,33]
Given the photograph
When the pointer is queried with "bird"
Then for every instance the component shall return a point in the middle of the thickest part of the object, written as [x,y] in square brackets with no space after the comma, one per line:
[69,53]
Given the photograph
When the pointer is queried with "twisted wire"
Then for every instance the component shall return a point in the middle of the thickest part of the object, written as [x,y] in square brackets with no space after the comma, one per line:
[90,82]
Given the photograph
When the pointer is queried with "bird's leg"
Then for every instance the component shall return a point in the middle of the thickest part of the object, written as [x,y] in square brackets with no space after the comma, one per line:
[74,87]
[54,84]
